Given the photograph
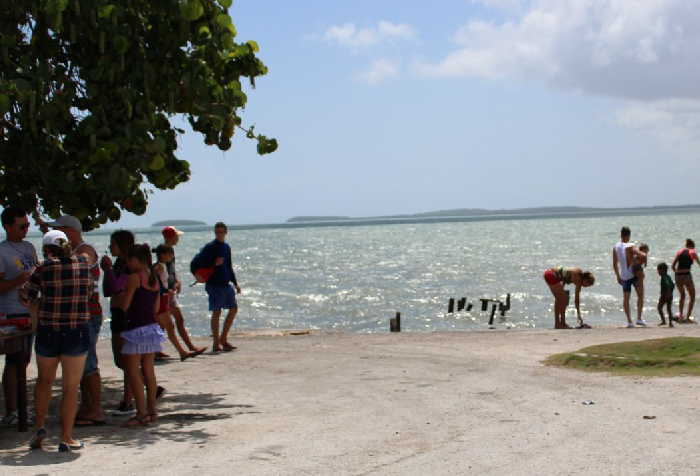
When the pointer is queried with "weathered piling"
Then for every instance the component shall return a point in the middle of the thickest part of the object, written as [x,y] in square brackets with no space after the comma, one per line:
[461,303]
[484,304]
[493,313]
[469,307]
[508,302]
[395,323]
[451,306]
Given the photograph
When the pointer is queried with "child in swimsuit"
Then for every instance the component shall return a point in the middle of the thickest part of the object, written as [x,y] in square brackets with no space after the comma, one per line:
[666,294]
[639,260]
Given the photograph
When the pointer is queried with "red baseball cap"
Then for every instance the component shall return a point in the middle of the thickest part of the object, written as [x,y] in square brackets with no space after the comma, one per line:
[171,231]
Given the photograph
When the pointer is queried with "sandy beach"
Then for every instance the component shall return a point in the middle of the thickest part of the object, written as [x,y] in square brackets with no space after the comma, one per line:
[410,403]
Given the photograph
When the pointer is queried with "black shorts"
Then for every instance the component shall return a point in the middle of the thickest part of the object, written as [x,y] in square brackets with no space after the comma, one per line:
[69,341]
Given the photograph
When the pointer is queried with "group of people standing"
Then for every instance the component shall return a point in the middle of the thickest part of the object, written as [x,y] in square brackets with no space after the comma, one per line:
[629,262]
[61,292]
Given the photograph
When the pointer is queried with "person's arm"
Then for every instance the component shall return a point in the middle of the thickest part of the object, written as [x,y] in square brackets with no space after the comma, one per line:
[132,285]
[674,266]
[233,273]
[695,257]
[7,285]
[615,267]
[30,293]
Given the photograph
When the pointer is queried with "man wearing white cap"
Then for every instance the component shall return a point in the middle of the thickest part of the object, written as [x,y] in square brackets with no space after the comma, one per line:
[90,412]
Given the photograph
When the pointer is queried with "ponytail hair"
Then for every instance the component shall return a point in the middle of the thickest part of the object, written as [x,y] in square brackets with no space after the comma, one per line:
[142,253]
[689,243]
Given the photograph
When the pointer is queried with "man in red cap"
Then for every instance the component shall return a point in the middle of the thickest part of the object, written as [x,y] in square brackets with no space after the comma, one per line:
[171,237]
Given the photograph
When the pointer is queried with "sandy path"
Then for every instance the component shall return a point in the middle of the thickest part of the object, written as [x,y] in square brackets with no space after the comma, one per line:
[457,403]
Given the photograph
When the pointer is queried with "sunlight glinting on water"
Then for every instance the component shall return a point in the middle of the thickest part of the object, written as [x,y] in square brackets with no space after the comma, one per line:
[356,278]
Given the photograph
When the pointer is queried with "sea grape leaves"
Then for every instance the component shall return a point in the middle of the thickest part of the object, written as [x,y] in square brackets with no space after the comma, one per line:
[88,89]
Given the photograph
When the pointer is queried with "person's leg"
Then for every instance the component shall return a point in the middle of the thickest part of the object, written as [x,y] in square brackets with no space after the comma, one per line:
[681,301]
[639,289]
[626,305]
[215,330]
[669,305]
[660,308]
[46,368]
[149,375]
[176,314]
[72,371]
[132,363]
[230,317]
[9,386]
[167,324]
[691,295]
[565,305]
[90,409]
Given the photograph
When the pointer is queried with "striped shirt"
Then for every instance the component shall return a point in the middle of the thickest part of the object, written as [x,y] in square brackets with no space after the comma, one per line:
[63,288]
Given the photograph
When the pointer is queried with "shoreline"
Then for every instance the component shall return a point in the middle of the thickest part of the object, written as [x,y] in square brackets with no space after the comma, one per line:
[410,403]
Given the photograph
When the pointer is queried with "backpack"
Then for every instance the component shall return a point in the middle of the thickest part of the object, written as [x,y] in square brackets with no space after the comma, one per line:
[200,272]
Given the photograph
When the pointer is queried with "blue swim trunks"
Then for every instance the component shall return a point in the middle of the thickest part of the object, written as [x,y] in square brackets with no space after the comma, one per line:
[627,285]
[221,297]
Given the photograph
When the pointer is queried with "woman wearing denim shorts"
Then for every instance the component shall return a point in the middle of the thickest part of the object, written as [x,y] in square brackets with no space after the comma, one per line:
[59,292]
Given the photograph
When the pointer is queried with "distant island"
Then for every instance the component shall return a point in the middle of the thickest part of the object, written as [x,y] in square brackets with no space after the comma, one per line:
[179,223]
[482,212]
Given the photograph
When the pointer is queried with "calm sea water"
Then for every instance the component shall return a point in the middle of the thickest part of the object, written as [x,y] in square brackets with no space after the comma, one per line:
[356,278]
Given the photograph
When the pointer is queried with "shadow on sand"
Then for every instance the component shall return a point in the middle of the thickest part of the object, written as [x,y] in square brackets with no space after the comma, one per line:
[180,419]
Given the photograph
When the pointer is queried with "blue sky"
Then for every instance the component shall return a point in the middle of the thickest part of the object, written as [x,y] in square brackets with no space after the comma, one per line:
[401,106]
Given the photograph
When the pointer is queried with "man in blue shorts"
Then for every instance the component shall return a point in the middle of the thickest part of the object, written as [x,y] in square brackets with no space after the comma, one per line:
[221,294]
[622,265]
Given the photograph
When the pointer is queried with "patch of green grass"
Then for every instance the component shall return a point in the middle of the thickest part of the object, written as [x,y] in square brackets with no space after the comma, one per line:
[652,358]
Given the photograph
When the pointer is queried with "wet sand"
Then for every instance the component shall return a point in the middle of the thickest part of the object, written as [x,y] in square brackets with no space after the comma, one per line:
[440,403]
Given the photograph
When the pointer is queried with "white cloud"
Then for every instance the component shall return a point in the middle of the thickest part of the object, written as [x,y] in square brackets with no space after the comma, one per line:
[644,50]
[349,35]
[674,122]
[379,71]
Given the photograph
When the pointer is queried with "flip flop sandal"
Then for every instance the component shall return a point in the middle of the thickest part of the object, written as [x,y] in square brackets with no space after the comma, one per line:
[81,422]
[200,351]
[134,421]
[37,439]
[229,348]
[66,447]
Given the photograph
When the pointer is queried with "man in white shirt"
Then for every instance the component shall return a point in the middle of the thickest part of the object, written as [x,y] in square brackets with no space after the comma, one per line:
[622,265]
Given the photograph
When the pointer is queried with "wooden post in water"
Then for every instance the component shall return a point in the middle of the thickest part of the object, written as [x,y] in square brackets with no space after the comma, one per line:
[484,304]
[451,306]
[469,307]
[461,303]
[503,308]
[493,313]
[395,323]
[508,302]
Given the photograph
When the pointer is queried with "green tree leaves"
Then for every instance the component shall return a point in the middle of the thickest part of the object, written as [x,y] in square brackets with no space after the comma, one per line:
[88,89]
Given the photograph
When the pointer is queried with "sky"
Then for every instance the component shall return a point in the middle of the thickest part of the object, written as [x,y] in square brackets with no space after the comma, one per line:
[403,106]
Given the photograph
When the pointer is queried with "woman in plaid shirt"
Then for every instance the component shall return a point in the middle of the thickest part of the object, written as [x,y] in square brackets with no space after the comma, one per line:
[59,292]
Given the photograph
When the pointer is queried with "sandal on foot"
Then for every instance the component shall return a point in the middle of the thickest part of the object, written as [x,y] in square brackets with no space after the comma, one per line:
[228,347]
[197,352]
[89,422]
[67,447]
[37,439]
[135,421]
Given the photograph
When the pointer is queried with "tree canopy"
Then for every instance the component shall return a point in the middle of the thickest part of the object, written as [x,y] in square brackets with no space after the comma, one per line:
[88,89]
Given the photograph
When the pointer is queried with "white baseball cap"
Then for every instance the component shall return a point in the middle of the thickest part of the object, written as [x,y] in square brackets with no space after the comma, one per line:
[55,237]
[67,221]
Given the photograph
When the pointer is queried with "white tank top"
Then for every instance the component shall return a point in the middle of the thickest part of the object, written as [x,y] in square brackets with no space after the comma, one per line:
[625,269]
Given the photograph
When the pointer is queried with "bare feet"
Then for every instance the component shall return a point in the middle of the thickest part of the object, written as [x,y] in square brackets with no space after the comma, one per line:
[228,347]
[186,356]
